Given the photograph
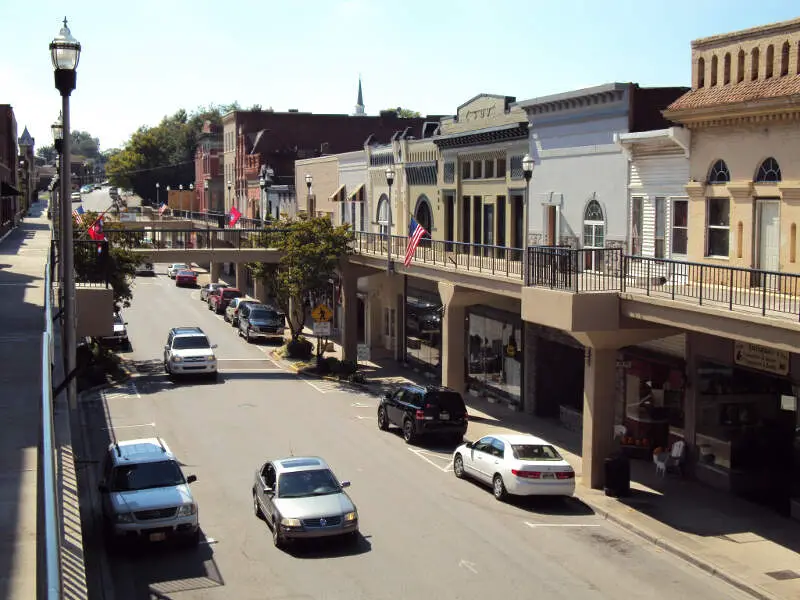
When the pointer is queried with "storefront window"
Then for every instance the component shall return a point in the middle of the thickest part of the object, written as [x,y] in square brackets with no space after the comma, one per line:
[423,329]
[495,353]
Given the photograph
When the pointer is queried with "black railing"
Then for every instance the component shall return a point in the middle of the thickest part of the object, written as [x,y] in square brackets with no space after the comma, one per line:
[217,219]
[482,258]
[575,270]
[93,265]
[197,238]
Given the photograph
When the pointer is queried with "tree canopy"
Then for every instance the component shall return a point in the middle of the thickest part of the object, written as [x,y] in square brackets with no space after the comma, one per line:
[406,113]
[84,144]
[47,153]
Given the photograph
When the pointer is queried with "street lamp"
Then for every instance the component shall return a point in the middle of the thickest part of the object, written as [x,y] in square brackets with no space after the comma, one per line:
[230,185]
[309,179]
[191,198]
[390,181]
[206,198]
[158,189]
[58,139]
[65,52]
[527,172]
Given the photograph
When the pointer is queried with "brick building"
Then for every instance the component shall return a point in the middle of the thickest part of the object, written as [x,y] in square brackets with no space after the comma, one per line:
[208,169]
[9,190]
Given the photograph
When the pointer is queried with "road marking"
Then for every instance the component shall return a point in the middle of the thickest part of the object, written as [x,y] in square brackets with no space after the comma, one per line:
[316,387]
[209,541]
[465,564]
[128,426]
[361,405]
[419,453]
[250,370]
[362,417]
[250,359]
[529,524]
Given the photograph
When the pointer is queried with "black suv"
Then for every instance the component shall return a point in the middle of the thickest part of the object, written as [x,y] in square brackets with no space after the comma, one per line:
[424,411]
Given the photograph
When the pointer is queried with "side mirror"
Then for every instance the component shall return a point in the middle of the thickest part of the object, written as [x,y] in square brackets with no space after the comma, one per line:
[102,488]
[191,479]
[268,490]
[125,323]
[387,396]
[468,444]
[213,346]
[345,484]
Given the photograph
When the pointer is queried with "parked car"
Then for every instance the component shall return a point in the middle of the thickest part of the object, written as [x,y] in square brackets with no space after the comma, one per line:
[188,351]
[145,495]
[261,321]
[218,299]
[173,269]
[232,310]
[423,316]
[145,268]
[301,498]
[120,335]
[424,411]
[209,287]
[76,197]
[520,465]
[186,277]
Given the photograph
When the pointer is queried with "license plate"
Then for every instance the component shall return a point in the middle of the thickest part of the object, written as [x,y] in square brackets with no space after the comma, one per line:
[548,476]
[444,416]
[158,537]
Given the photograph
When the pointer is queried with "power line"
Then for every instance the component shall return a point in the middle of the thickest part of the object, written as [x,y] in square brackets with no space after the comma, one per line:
[150,169]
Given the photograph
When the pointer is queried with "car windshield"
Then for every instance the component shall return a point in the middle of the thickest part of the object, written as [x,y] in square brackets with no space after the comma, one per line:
[180,266]
[535,452]
[190,342]
[118,320]
[186,273]
[316,482]
[144,476]
[262,314]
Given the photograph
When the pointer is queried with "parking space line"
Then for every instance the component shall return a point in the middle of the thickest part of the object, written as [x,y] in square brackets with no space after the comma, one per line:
[533,525]
[250,370]
[313,385]
[446,469]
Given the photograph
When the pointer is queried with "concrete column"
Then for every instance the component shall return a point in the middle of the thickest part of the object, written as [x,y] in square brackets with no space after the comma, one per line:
[241,276]
[530,375]
[259,290]
[598,412]
[349,313]
[453,336]
[214,270]
[690,404]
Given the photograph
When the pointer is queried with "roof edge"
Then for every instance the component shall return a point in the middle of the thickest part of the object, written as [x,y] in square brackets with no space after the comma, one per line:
[750,32]
[574,94]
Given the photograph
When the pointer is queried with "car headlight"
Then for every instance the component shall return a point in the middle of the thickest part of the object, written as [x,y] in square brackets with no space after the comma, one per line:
[187,510]
[351,516]
[124,517]
[177,359]
[212,358]
[291,522]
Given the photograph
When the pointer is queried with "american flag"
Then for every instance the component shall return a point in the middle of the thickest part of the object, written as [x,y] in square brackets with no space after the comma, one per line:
[415,233]
[162,208]
[77,214]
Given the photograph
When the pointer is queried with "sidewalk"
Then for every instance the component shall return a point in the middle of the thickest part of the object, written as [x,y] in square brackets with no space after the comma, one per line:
[750,547]
[23,255]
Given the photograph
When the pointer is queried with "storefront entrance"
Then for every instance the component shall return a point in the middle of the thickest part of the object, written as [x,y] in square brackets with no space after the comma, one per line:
[494,353]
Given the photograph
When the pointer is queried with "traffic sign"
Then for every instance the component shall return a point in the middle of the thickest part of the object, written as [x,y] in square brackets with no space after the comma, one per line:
[322,313]
[322,328]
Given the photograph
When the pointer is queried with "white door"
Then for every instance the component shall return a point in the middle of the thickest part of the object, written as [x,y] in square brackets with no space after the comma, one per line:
[389,328]
[769,236]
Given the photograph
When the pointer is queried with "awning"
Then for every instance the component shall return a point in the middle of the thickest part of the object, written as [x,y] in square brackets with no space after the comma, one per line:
[338,195]
[357,195]
[6,189]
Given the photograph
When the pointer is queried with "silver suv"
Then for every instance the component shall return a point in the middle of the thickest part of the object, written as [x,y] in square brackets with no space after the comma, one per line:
[188,351]
[145,495]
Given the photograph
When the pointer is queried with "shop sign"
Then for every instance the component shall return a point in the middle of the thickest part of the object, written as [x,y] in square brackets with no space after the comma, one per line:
[762,358]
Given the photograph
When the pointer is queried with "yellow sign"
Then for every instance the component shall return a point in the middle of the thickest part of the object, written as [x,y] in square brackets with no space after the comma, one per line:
[762,358]
[322,313]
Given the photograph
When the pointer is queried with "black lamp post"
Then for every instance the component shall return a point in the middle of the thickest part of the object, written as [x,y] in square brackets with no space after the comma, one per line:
[65,52]
[206,198]
[158,189]
[58,139]
[230,185]
[527,172]
[390,181]
[309,180]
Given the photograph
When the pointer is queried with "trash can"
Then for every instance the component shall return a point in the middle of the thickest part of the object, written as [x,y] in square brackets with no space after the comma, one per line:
[617,476]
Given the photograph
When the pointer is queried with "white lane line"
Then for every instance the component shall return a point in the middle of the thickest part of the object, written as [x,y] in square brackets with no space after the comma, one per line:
[465,564]
[250,370]
[361,405]
[362,417]
[128,426]
[419,453]
[313,385]
[245,359]
[533,525]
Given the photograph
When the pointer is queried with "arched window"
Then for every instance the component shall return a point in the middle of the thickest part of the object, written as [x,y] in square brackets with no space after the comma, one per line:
[785,59]
[383,214]
[719,173]
[740,67]
[424,216]
[726,69]
[714,63]
[754,58]
[769,171]
[701,72]
[770,66]
[594,234]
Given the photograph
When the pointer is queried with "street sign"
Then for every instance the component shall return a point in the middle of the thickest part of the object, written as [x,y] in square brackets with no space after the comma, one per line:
[322,328]
[322,313]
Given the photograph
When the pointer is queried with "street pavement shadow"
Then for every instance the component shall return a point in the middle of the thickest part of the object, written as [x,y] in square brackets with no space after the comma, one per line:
[331,547]
[561,506]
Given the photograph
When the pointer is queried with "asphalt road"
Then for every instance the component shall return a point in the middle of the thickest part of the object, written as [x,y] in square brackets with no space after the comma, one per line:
[426,535]
[99,201]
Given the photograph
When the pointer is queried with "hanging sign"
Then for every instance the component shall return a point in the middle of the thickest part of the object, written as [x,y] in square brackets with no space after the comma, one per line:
[763,358]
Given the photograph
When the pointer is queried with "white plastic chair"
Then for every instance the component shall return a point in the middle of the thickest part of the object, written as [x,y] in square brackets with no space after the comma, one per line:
[665,461]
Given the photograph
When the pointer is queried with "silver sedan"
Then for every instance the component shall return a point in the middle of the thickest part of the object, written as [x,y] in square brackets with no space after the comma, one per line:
[300,497]
[210,287]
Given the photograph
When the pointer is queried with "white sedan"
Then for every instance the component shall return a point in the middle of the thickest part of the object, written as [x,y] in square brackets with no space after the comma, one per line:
[173,269]
[520,465]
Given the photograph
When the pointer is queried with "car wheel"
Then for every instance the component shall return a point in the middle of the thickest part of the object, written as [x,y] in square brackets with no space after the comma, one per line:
[383,419]
[166,367]
[194,538]
[458,466]
[499,488]
[247,337]
[409,435]
[352,538]
[225,318]
[277,538]
[257,507]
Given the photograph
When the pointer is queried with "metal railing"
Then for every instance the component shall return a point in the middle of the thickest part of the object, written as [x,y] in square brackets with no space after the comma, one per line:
[481,258]
[52,538]
[218,219]
[609,270]
[196,238]
[93,264]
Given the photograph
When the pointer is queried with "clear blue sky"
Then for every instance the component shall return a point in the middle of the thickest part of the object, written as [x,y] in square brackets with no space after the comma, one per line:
[145,59]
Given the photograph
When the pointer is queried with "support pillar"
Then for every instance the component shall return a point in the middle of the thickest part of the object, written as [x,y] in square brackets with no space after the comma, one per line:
[598,412]
[241,275]
[349,327]
[453,328]
[214,271]
[259,290]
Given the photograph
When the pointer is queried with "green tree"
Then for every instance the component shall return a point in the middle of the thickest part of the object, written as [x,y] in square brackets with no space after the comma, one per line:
[84,144]
[312,249]
[405,113]
[48,154]
[121,264]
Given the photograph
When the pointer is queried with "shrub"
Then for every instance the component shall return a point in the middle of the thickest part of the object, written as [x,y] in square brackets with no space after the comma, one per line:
[330,365]
[347,368]
[300,348]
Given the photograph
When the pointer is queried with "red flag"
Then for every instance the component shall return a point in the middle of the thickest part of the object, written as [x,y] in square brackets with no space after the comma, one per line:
[96,230]
[162,208]
[234,216]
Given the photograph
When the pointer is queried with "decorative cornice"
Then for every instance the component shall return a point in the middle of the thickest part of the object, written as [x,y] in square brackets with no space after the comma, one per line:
[696,189]
[759,112]
[483,138]
[790,191]
[740,189]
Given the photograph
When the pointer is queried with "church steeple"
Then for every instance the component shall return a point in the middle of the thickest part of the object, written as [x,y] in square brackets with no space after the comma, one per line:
[360,102]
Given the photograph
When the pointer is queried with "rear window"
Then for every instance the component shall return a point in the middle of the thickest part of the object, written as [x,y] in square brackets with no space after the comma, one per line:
[263,313]
[535,452]
[231,293]
[450,401]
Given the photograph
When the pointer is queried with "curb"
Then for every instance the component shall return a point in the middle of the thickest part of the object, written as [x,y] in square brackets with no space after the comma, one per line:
[678,551]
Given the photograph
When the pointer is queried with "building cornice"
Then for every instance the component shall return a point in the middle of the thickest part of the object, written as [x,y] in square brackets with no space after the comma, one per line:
[782,27]
[756,112]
